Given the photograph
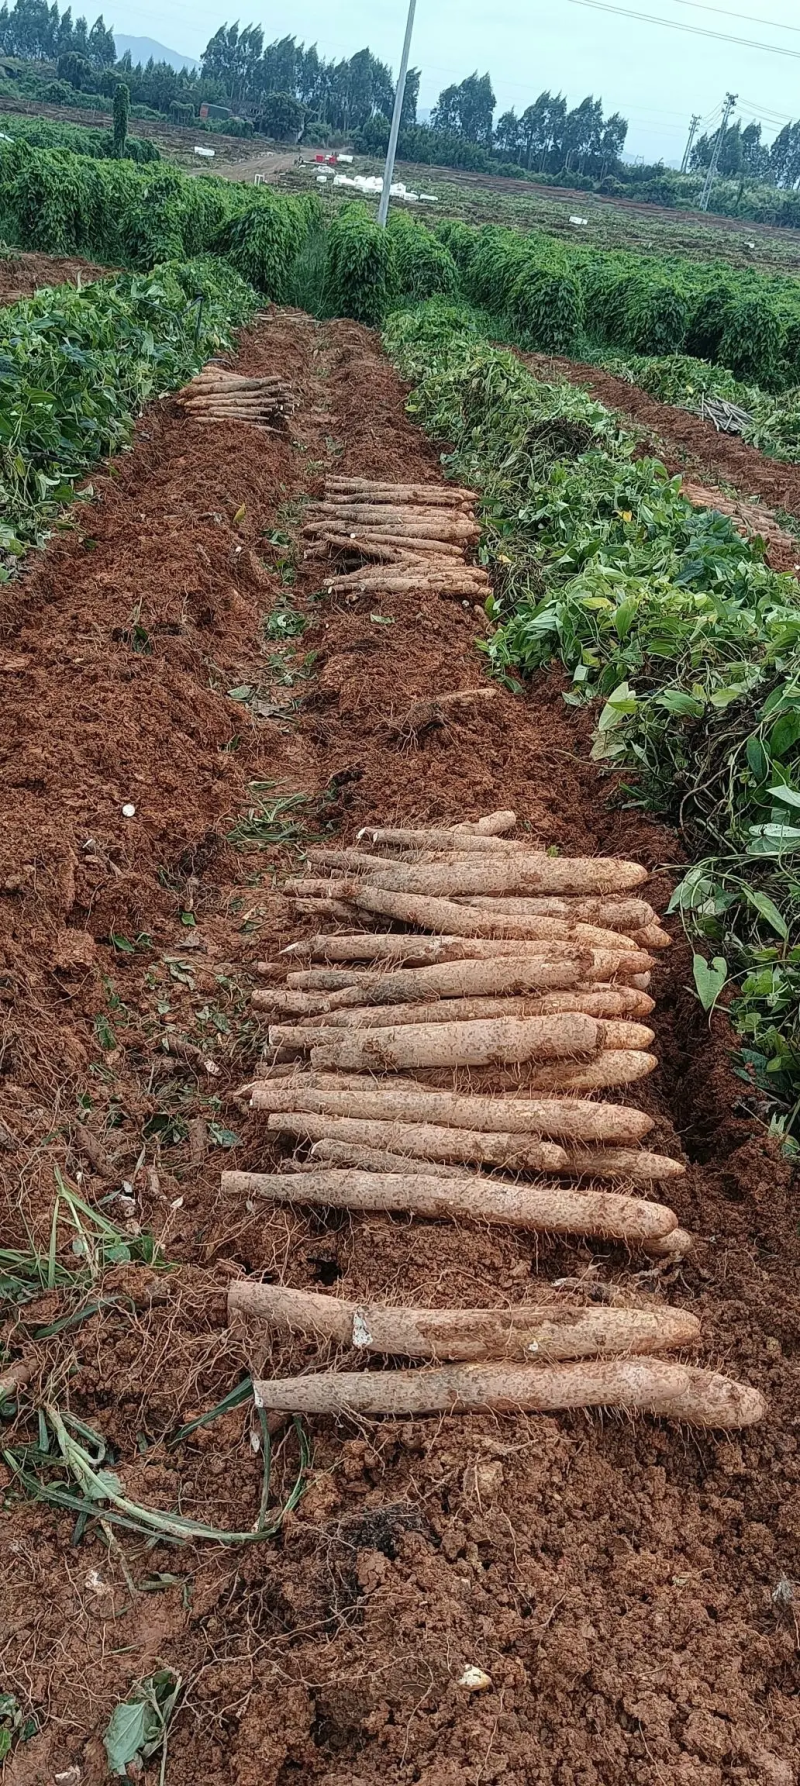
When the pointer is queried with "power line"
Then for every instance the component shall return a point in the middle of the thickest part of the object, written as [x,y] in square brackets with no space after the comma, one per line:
[748,43]
[725,12]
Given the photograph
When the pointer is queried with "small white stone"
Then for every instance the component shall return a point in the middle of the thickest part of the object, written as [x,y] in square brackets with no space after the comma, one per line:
[475,1680]
[129,810]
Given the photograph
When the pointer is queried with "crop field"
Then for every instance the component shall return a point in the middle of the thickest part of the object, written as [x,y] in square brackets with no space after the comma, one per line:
[606,223]
[399,983]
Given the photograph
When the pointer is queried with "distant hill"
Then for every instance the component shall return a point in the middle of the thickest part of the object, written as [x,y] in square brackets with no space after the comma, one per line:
[142,48]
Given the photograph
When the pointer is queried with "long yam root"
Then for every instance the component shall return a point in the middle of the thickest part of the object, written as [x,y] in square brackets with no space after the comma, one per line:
[574,1119]
[539,1330]
[610,913]
[410,949]
[466,979]
[554,1209]
[622,1162]
[528,874]
[404,1101]
[675,1391]
[460,1044]
[493,1041]
[426,1141]
[372,1159]
[581,936]
[615,1066]
[497,872]
[601,1001]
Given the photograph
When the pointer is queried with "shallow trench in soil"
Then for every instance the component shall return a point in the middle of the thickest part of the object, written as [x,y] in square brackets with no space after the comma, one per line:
[627,1586]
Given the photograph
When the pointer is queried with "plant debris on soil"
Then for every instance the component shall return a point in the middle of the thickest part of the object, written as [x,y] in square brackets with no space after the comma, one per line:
[684,440]
[184,709]
[22,275]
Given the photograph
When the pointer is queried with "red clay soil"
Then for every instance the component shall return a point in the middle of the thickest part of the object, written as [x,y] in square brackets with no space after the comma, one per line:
[21,275]
[627,1586]
[688,440]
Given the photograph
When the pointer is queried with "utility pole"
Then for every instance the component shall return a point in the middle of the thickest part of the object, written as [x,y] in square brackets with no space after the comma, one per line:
[693,123]
[383,208]
[730,101]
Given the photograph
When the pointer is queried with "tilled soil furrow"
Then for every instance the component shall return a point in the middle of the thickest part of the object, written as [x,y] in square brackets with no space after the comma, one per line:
[538,1599]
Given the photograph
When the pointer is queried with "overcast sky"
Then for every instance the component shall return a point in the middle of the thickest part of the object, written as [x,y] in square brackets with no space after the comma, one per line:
[655,76]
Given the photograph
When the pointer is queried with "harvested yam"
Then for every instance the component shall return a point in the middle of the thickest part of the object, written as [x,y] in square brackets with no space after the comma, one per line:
[528,873]
[555,1209]
[622,1162]
[373,1159]
[671,1249]
[460,838]
[617,1032]
[453,919]
[286,1002]
[602,1001]
[373,945]
[611,914]
[446,916]
[370,542]
[465,979]
[540,1330]
[581,936]
[652,937]
[407,1102]
[493,824]
[675,1391]
[439,495]
[425,1141]
[461,1044]
[502,872]
[348,859]
[615,1066]
[501,1034]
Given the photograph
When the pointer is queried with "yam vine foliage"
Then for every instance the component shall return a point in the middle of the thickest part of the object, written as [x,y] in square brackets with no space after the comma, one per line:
[76,368]
[120,213]
[564,297]
[688,643]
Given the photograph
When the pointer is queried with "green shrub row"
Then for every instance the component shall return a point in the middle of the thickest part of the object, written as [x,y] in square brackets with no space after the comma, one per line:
[564,298]
[116,212]
[367,269]
[41,133]
[76,367]
[677,630]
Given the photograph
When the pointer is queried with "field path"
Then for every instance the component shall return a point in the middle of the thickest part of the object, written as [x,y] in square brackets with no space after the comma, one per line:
[627,1587]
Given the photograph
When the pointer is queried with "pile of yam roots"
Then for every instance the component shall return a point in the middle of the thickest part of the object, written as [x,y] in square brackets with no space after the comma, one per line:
[382,538]
[217,395]
[495,966]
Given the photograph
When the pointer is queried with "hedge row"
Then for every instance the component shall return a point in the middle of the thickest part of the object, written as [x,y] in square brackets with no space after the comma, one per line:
[116,212]
[367,268]
[564,298]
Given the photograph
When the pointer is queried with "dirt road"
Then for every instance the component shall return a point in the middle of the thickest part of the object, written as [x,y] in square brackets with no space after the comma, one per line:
[627,1587]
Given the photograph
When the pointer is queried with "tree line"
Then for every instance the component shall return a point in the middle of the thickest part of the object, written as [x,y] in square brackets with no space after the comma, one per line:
[743,155]
[288,89]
